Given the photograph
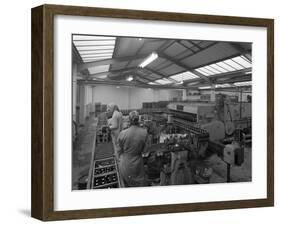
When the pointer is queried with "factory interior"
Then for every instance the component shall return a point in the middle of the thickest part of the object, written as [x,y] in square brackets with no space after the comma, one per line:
[193,99]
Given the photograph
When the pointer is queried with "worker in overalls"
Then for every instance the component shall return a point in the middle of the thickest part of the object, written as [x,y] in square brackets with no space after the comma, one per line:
[114,124]
[131,145]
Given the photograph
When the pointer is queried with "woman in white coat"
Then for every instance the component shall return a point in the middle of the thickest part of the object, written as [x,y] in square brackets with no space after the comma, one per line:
[131,144]
[114,124]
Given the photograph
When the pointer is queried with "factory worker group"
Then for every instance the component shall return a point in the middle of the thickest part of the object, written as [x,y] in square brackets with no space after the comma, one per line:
[128,145]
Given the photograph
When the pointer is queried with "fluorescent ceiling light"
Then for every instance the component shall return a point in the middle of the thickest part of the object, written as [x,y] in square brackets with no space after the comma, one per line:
[192,83]
[152,83]
[163,81]
[102,76]
[222,85]
[248,83]
[130,78]
[153,56]
[204,87]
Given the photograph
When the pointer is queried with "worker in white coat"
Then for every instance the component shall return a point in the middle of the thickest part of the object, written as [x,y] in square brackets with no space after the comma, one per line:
[131,145]
[114,124]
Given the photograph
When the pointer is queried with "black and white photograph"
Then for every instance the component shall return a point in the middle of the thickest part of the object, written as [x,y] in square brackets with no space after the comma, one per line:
[160,112]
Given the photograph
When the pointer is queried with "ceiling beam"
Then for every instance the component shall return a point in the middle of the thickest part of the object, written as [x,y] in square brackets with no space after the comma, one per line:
[134,71]
[146,77]
[182,44]
[165,45]
[154,72]
[137,52]
[236,79]
[199,47]
[126,83]
[185,57]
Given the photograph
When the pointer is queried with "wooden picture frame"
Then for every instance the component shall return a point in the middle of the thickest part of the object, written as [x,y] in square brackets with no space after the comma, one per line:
[43,107]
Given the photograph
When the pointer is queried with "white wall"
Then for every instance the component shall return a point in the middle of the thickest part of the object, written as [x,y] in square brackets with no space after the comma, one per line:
[16,120]
[131,97]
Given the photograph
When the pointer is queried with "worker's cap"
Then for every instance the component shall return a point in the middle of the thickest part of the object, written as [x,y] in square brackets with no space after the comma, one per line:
[134,117]
[112,107]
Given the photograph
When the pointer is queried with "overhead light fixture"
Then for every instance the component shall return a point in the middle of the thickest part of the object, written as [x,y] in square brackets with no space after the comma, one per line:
[248,72]
[226,85]
[153,56]
[192,83]
[205,87]
[130,78]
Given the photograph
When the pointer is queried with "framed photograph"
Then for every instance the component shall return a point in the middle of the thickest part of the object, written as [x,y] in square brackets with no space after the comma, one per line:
[141,112]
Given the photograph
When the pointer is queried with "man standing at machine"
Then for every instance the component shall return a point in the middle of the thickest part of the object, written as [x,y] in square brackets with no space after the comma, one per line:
[114,124]
[131,145]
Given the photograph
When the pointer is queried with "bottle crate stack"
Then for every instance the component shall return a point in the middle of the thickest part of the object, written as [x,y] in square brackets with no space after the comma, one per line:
[103,135]
[105,174]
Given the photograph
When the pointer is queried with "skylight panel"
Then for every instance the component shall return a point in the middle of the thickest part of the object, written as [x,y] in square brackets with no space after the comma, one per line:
[242,62]
[90,52]
[204,72]
[94,43]
[91,37]
[88,48]
[226,66]
[97,48]
[98,55]
[214,71]
[218,68]
[184,76]
[234,64]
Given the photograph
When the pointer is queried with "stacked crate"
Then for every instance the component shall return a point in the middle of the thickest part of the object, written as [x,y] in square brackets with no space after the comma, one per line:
[103,108]
[97,108]
[103,135]
[105,174]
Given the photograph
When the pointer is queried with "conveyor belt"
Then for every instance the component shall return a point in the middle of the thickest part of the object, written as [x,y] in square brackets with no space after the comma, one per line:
[104,170]
[103,150]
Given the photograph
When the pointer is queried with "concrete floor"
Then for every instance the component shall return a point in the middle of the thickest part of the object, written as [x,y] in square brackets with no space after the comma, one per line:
[241,173]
